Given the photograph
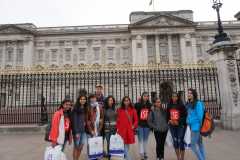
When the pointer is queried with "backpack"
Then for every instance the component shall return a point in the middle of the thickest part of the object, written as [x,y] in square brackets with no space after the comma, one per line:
[47,131]
[207,124]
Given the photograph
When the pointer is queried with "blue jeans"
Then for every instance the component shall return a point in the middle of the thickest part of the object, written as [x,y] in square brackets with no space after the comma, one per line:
[178,133]
[127,155]
[143,134]
[108,136]
[197,145]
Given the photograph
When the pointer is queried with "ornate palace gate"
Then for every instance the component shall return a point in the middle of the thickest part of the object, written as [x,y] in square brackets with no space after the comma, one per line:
[25,95]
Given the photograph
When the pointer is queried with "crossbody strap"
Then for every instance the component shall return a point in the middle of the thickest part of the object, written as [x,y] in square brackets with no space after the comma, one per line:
[128,116]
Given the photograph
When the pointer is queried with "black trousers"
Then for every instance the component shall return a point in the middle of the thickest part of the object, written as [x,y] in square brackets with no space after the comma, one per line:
[160,138]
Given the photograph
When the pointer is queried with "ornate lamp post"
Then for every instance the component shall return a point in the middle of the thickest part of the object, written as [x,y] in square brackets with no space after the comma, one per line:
[221,36]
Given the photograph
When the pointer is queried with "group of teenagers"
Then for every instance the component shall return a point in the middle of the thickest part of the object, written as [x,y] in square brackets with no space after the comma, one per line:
[95,115]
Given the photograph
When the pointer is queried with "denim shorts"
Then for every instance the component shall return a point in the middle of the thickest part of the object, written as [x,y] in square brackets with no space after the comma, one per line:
[81,140]
[178,137]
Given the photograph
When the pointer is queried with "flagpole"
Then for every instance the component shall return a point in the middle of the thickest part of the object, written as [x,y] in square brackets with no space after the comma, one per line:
[153,5]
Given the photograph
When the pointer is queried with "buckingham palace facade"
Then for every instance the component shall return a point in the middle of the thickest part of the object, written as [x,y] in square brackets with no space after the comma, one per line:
[167,37]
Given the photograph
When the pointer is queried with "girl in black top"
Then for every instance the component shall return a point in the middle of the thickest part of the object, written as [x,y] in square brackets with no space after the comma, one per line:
[79,118]
[177,115]
[143,109]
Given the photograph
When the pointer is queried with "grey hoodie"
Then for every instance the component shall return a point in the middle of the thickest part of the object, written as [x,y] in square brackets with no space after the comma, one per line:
[157,120]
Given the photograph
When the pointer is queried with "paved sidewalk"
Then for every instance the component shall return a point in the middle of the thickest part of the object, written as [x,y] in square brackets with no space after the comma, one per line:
[224,145]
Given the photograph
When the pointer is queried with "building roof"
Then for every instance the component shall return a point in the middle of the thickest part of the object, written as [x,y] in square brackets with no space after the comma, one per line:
[237,15]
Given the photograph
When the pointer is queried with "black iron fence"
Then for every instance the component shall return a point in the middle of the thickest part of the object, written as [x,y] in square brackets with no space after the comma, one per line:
[26,95]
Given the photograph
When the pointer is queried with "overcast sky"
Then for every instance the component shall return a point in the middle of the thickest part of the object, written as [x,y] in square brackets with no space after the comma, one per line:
[90,12]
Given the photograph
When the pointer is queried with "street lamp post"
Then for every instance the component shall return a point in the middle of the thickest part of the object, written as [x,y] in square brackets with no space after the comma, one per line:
[221,36]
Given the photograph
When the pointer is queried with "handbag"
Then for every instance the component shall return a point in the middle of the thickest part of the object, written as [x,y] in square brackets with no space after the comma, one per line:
[116,147]
[187,138]
[95,147]
[54,153]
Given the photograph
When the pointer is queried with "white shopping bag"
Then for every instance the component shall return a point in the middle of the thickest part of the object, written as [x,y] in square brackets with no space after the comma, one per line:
[116,148]
[95,147]
[63,156]
[187,138]
[169,139]
[54,153]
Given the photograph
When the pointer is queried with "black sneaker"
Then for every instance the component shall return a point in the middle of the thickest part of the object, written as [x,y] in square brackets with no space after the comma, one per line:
[145,156]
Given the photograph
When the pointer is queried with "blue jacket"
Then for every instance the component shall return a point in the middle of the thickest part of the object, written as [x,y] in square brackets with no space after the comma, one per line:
[195,115]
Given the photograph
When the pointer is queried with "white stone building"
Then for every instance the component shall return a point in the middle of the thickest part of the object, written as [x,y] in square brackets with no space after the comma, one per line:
[167,37]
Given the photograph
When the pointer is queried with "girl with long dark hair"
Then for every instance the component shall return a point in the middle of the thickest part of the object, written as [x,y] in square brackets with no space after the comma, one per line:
[79,118]
[195,109]
[127,122]
[110,118]
[143,108]
[177,115]
[60,131]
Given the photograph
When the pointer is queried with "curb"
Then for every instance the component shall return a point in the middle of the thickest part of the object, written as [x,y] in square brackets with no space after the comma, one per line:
[18,129]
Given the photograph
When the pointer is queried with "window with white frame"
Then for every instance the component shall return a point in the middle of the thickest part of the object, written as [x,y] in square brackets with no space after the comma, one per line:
[110,53]
[19,56]
[96,54]
[68,55]
[40,55]
[199,50]
[1,56]
[82,54]
[54,55]
[9,55]
[163,48]
[125,53]
[175,45]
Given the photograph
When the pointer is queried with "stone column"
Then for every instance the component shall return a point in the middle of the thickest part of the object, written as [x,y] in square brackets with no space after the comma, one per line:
[157,49]
[28,52]
[144,49]
[194,48]
[170,49]
[3,63]
[223,54]
[134,50]
[183,48]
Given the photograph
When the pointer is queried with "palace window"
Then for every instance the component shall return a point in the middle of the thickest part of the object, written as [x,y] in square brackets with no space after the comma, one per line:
[163,48]
[19,58]
[175,45]
[9,55]
[96,53]
[61,43]
[125,53]
[40,55]
[47,43]
[139,45]
[54,55]
[1,56]
[188,44]
[199,50]
[68,54]
[82,54]
[110,53]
